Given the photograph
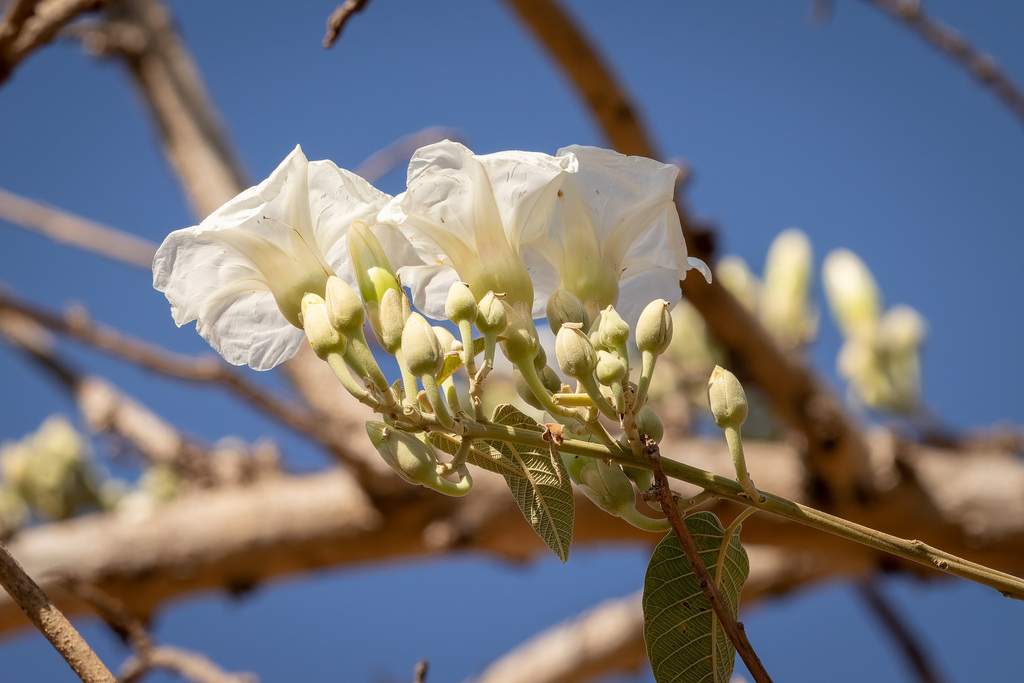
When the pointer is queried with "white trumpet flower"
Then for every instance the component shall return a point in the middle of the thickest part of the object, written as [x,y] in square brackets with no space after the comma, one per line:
[242,272]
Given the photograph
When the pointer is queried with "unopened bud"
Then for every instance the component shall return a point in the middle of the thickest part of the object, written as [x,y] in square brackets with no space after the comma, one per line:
[610,370]
[519,340]
[446,339]
[321,334]
[576,355]
[902,328]
[420,348]
[648,422]
[491,316]
[612,330]
[394,311]
[727,399]
[565,307]
[370,264]
[344,307]
[460,306]
[654,328]
[852,293]
[413,460]
[607,486]
[737,278]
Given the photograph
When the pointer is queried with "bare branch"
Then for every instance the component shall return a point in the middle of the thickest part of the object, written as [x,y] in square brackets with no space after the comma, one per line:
[602,640]
[380,163]
[582,63]
[79,232]
[45,616]
[30,25]
[339,17]
[982,67]
[190,665]
[236,537]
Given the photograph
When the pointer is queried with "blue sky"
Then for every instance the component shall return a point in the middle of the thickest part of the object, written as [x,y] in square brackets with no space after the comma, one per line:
[852,130]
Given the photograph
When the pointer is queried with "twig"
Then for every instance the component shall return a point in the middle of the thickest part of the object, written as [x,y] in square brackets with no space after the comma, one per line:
[908,645]
[420,672]
[76,231]
[30,25]
[339,17]
[732,628]
[50,622]
[981,66]
[382,162]
[190,665]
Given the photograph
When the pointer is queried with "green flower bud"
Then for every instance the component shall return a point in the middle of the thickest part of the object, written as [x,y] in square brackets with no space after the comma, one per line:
[576,355]
[370,264]
[607,486]
[519,340]
[322,336]
[344,307]
[727,399]
[421,349]
[610,370]
[648,422]
[460,305]
[902,329]
[394,311]
[785,297]
[413,460]
[737,278]
[491,316]
[548,378]
[612,331]
[565,307]
[852,293]
[446,339]
[654,328]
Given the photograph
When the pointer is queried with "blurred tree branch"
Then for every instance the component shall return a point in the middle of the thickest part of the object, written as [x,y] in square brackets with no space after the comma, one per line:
[982,67]
[31,24]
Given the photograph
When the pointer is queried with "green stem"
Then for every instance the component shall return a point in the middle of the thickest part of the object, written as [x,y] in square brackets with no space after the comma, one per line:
[437,403]
[735,441]
[728,489]
[337,363]
[646,373]
[408,379]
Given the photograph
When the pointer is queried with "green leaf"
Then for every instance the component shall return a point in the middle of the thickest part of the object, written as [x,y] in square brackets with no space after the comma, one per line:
[544,491]
[685,643]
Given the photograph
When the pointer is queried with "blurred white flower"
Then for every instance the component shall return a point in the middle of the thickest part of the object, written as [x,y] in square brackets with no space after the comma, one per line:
[616,239]
[241,273]
[467,218]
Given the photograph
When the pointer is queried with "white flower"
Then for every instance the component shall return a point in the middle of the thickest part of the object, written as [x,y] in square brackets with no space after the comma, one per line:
[241,273]
[616,238]
[467,217]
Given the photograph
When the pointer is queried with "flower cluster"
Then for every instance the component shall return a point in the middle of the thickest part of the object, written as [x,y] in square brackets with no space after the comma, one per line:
[520,225]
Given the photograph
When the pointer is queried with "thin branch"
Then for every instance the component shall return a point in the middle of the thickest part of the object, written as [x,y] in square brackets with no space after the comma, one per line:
[907,644]
[339,17]
[51,623]
[600,641]
[190,665]
[382,162]
[733,629]
[419,673]
[982,67]
[76,231]
[24,32]
[203,370]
